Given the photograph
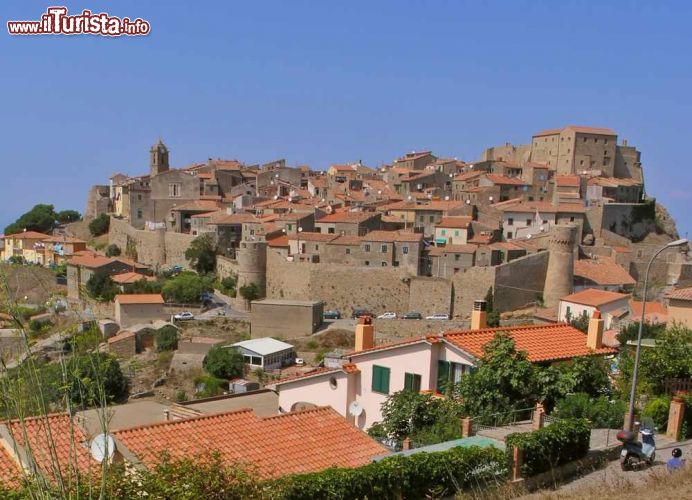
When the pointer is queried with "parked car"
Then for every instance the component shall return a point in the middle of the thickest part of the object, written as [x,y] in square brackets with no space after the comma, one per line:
[438,316]
[358,313]
[332,314]
[300,362]
[184,316]
[413,315]
[387,315]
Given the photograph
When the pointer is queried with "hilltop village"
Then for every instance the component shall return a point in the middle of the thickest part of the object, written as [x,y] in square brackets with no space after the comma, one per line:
[268,308]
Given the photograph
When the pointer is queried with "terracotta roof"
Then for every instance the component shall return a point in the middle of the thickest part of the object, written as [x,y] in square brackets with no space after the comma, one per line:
[63,239]
[568,180]
[354,217]
[221,217]
[198,206]
[680,294]
[594,297]
[461,221]
[468,175]
[434,251]
[602,271]
[505,245]
[344,168]
[403,236]
[311,236]
[432,339]
[280,242]
[129,277]
[346,239]
[293,443]
[89,259]
[28,235]
[139,298]
[613,182]
[656,312]
[121,336]
[414,155]
[438,206]
[516,205]
[10,471]
[540,342]
[576,128]
[504,180]
[49,440]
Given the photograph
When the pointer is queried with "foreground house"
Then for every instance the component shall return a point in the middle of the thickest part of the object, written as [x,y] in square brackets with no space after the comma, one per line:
[611,305]
[373,372]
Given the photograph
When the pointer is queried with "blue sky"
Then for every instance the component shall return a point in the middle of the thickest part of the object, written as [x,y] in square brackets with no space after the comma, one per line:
[327,82]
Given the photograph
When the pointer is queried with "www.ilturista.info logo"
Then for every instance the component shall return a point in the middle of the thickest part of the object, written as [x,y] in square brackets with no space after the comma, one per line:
[56,22]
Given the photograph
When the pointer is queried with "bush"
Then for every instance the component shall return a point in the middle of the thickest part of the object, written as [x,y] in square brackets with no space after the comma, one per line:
[549,447]
[112,250]
[224,363]
[210,386]
[600,411]
[227,285]
[100,286]
[658,409]
[100,225]
[202,254]
[187,288]
[167,339]
[422,475]
[249,292]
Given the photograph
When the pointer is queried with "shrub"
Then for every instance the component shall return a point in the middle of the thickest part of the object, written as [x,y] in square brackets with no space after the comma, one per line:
[112,250]
[602,412]
[167,339]
[187,288]
[228,284]
[224,363]
[551,446]
[250,292]
[100,286]
[422,475]
[100,225]
[657,409]
[209,386]
[202,254]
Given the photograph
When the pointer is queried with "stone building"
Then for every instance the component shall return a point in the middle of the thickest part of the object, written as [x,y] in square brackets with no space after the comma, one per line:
[134,309]
[285,318]
[415,160]
[351,223]
[445,261]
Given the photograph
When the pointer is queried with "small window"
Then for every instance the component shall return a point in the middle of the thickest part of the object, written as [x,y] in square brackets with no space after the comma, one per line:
[317,247]
[139,197]
[332,382]
[571,219]
[330,230]
[509,235]
[139,213]
[510,222]
[528,222]
[256,361]
[432,218]
[444,232]
[384,264]
[367,262]
[384,248]
[404,250]
[380,379]
[367,247]
[456,233]
[457,257]
[174,190]
[289,227]
[348,251]
[412,382]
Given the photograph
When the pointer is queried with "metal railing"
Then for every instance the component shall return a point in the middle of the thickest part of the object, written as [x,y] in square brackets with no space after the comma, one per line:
[502,419]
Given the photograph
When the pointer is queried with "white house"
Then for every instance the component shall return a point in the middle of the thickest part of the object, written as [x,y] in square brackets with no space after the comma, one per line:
[266,353]
[610,304]
[373,372]
[521,219]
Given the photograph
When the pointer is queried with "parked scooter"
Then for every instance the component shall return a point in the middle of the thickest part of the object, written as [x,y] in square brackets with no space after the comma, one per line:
[635,454]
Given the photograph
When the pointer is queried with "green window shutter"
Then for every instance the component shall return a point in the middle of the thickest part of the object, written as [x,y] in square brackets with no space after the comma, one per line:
[442,376]
[380,379]
[412,382]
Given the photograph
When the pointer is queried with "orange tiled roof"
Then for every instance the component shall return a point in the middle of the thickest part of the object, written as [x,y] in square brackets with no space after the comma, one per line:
[129,277]
[293,443]
[504,180]
[452,249]
[432,339]
[312,236]
[49,439]
[403,236]
[355,217]
[680,294]
[656,312]
[346,239]
[602,271]
[540,342]
[10,471]
[567,180]
[594,297]
[63,239]
[279,242]
[89,259]
[120,336]
[28,235]
[516,205]
[460,221]
[139,298]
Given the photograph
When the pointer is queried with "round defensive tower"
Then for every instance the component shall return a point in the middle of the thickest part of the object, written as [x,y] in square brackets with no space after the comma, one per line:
[560,274]
[252,266]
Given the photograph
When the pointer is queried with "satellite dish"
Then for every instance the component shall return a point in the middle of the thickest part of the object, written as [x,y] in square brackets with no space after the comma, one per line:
[355,409]
[102,447]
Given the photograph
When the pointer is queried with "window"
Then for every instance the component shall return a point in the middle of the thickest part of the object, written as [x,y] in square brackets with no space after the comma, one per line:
[174,190]
[605,141]
[330,230]
[432,218]
[384,264]
[510,222]
[317,247]
[384,248]
[395,263]
[568,312]
[348,251]
[509,235]
[380,379]
[139,197]
[404,250]
[571,219]
[449,372]
[457,256]
[256,361]
[332,382]
[289,227]
[367,262]
[412,382]
[528,222]
[456,233]
[444,232]
[367,247]
[139,213]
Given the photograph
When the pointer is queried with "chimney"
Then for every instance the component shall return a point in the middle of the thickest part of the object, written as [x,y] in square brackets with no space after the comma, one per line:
[365,334]
[594,336]
[479,315]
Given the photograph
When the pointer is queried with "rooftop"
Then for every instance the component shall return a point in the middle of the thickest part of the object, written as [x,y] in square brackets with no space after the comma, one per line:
[680,294]
[353,217]
[292,443]
[139,298]
[129,277]
[602,271]
[403,236]
[594,297]
[576,128]
[264,346]
[459,221]
[656,312]
[436,251]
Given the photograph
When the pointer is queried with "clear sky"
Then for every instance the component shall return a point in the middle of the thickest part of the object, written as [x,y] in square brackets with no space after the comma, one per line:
[324,82]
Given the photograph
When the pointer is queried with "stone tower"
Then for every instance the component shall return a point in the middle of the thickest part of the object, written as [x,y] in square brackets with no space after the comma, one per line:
[558,279]
[158,158]
[252,267]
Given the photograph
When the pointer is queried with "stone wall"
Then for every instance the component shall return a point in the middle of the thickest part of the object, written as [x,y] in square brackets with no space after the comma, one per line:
[520,282]
[392,329]
[430,295]
[226,267]
[154,248]
[469,285]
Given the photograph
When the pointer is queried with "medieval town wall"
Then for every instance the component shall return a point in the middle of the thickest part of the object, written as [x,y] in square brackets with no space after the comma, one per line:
[520,282]
[429,296]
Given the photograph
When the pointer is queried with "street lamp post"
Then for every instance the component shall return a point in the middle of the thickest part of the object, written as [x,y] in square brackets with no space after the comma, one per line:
[630,414]
[300,230]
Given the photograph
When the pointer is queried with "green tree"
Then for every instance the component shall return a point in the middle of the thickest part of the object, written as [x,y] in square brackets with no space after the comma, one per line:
[202,254]
[671,358]
[493,316]
[40,218]
[187,288]
[649,331]
[112,250]
[167,339]
[67,216]
[249,292]
[144,286]
[100,225]
[580,322]
[504,381]
[224,363]
[100,286]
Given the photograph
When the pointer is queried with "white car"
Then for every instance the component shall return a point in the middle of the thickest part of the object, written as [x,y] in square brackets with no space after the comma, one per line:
[184,316]
[387,315]
[438,316]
